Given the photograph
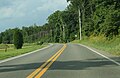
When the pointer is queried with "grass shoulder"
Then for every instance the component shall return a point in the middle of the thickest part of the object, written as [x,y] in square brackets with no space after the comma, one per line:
[11,51]
[100,43]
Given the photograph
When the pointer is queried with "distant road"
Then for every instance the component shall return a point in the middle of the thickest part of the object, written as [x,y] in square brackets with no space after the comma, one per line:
[61,61]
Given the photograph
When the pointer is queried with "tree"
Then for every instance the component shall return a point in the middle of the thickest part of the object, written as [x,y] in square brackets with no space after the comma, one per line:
[55,24]
[0,39]
[18,39]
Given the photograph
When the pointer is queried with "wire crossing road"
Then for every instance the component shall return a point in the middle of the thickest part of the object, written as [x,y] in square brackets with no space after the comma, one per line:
[62,61]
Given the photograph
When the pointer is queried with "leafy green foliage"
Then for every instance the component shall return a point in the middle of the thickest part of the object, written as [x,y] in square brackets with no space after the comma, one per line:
[99,17]
[0,39]
[18,39]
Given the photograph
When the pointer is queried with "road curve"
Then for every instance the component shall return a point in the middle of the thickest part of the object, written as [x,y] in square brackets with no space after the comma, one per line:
[69,61]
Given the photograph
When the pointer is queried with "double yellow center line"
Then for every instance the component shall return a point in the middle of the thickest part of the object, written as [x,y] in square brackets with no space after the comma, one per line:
[43,68]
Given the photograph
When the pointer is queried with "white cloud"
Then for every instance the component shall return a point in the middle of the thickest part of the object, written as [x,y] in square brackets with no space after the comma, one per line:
[52,5]
[27,12]
[6,12]
[13,11]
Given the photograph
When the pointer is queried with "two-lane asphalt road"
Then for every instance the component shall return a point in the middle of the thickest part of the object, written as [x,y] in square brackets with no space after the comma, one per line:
[61,61]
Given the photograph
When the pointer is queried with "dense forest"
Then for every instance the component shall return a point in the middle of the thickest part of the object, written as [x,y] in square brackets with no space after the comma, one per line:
[98,17]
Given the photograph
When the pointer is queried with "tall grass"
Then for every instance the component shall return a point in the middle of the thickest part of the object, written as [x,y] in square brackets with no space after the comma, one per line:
[100,42]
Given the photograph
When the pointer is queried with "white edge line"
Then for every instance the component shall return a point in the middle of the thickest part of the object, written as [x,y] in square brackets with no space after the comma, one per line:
[117,63]
[12,58]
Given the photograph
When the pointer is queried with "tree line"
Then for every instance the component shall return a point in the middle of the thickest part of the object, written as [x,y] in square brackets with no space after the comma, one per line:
[30,34]
[98,17]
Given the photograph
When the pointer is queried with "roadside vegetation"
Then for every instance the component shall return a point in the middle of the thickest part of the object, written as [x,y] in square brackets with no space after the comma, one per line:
[12,51]
[99,42]
[18,39]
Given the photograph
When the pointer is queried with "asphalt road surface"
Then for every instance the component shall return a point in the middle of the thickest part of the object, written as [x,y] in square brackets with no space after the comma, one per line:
[61,61]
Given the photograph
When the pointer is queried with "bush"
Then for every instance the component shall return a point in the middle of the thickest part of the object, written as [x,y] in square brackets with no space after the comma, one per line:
[40,43]
[18,39]
[0,39]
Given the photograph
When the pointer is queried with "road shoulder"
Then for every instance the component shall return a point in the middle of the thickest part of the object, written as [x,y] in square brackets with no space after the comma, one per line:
[113,58]
[15,57]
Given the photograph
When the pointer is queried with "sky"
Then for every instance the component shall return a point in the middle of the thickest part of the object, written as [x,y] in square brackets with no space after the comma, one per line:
[18,13]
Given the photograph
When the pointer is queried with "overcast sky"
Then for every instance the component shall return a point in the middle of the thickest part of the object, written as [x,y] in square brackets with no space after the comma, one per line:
[18,13]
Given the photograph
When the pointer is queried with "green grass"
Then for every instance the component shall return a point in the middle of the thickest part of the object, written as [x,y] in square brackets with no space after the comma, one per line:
[76,41]
[14,52]
[100,42]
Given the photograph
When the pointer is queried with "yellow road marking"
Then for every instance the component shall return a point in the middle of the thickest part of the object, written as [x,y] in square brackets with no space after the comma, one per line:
[46,68]
[40,68]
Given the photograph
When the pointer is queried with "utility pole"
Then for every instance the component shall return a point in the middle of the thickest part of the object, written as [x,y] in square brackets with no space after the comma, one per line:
[80,28]
[51,35]
[63,32]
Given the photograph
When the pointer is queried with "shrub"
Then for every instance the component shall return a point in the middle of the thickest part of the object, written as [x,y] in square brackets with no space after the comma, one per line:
[18,39]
